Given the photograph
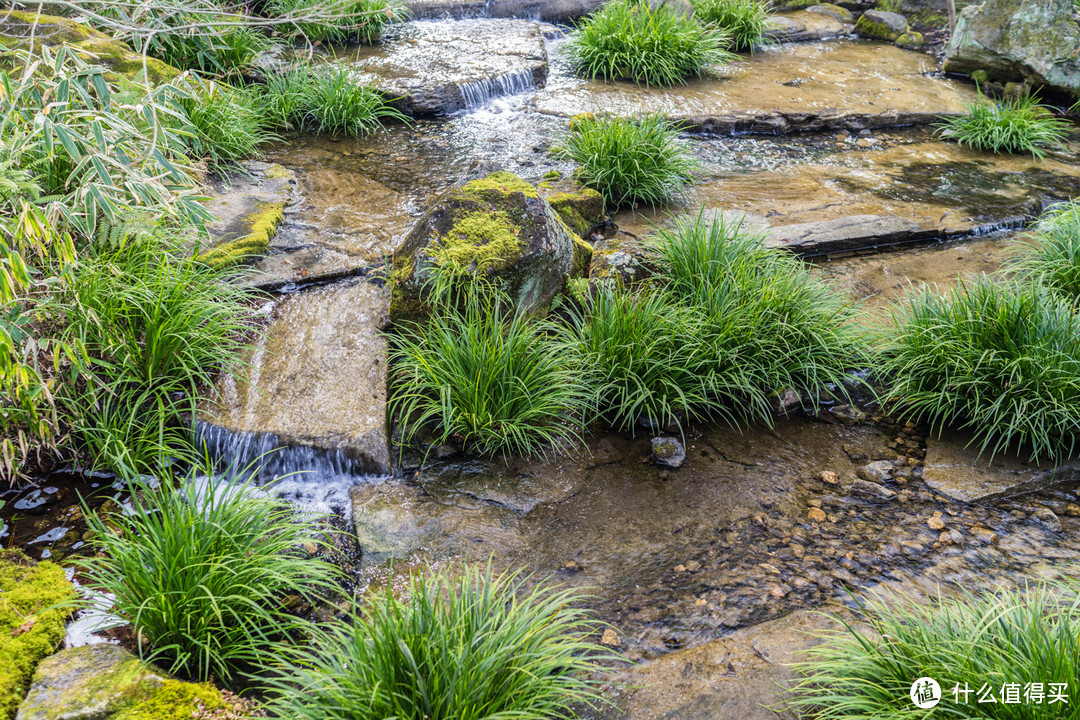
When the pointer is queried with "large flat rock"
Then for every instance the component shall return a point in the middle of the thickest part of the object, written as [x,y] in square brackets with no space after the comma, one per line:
[954,468]
[317,377]
[905,186]
[817,86]
[436,68]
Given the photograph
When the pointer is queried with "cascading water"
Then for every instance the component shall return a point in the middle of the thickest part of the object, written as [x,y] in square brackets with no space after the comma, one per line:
[481,92]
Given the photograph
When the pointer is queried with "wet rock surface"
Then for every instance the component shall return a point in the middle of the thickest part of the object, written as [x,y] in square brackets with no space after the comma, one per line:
[553,11]
[317,376]
[1013,40]
[809,25]
[816,86]
[432,68]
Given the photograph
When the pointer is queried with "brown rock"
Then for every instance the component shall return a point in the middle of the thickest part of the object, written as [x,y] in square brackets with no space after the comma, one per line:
[828,476]
[610,638]
[816,515]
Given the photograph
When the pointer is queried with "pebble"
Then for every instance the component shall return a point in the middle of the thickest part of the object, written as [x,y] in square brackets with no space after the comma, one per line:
[871,490]
[1048,518]
[610,638]
[816,514]
[935,522]
[1072,510]
[831,478]
[879,471]
[984,535]
[693,566]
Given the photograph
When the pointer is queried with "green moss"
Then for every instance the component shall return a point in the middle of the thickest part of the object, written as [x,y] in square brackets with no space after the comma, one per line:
[868,28]
[30,627]
[842,14]
[552,175]
[581,211]
[171,700]
[583,252]
[910,39]
[277,171]
[263,223]
[484,240]
[498,185]
[981,77]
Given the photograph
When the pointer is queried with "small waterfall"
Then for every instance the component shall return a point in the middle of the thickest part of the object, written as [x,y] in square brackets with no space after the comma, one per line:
[481,92]
[313,479]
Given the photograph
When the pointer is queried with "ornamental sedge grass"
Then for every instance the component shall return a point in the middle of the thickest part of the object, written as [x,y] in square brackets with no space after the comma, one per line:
[487,374]
[1026,636]
[649,43]
[202,572]
[223,124]
[1052,257]
[630,159]
[470,647]
[744,19]
[335,103]
[999,359]
[1015,125]
[362,20]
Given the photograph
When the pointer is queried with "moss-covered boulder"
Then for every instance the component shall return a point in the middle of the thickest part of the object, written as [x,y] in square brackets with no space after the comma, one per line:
[31,626]
[91,45]
[910,40]
[881,25]
[842,14]
[497,227]
[106,682]
[582,210]
[1016,40]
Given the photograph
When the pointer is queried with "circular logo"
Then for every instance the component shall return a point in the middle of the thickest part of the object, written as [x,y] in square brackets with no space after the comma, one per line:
[925,693]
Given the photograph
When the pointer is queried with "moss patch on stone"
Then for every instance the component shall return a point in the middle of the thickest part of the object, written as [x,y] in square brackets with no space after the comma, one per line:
[910,40]
[581,211]
[171,700]
[30,628]
[276,171]
[583,253]
[498,185]
[479,240]
[93,46]
[263,223]
[867,27]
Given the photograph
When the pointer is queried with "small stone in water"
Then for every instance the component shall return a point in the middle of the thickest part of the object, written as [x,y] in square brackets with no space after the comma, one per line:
[668,451]
[701,601]
[828,476]
[816,515]
[1048,518]
[680,568]
[936,523]
[985,535]
[1072,510]
[610,638]
[693,566]
[879,471]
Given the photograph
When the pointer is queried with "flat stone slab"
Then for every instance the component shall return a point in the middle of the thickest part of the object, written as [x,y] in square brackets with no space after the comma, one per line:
[819,86]
[238,200]
[805,26]
[553,11]
[437,68]
[317,377]
[905,186]
[954,469]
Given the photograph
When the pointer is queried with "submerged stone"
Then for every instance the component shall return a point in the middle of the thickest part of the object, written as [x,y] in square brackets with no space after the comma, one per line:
[498,227]
[668,451]
[30,626]
[1018,40]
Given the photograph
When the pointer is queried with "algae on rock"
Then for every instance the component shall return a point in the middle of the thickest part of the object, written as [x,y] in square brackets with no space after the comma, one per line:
[498,227]
[31,626]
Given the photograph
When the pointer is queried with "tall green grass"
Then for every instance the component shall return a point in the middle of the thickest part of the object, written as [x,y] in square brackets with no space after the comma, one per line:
[156,327]
[203,573]
[1025,636]
[1000,359]
[1052,256]
[649,43]
[630,159]
[472,647]
[363,20]
[223,124]
[744,20]
[734,323]
[1015,125]
[325,99]
[486,374]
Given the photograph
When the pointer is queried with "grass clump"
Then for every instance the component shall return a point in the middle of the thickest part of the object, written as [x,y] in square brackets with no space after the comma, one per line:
[999,359]
[485,374]
[649,43]
[1053,256]
[202,573]
[464,644]
[630,159]
[1014,125]
[744,20]
[733,323]
[360,20]
[222,125]
[327,99]
[1022,637]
